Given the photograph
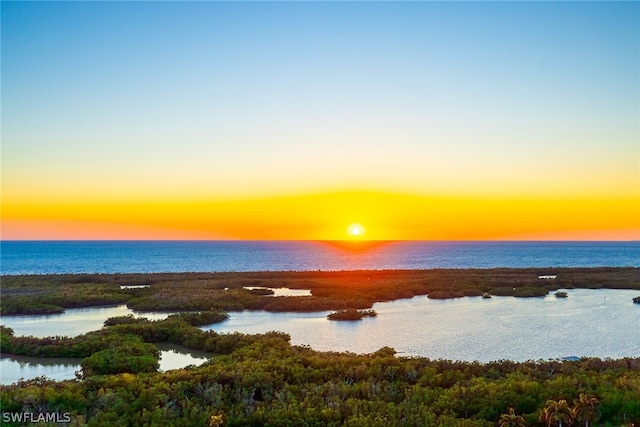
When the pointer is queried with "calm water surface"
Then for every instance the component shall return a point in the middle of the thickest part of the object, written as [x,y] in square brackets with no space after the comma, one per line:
[601,323]
[43,257]
[78,321]
[13,367]
[71,323]
[74,322]
[598,323]
[174,356]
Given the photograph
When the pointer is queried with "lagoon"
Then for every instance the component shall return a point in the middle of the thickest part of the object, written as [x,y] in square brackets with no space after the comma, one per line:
[588,323]
[14,367]
[74,322]
[71,323]
[78,321]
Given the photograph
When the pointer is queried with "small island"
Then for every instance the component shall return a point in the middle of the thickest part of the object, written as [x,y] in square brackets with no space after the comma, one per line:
[351,314]
[561,294]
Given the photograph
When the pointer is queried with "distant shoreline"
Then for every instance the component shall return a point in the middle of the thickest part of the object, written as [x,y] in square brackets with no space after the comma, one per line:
[330,290]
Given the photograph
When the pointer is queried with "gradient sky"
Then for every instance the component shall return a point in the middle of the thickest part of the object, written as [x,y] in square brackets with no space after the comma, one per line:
[286,120]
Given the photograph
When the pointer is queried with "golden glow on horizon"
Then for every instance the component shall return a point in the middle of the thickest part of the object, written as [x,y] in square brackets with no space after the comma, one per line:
[389,216]
[330,128]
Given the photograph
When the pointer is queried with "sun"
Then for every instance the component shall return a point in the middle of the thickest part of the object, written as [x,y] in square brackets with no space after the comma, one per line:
[355,231]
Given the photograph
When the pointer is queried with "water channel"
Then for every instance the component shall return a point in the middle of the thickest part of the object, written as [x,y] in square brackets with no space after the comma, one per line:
[589,323]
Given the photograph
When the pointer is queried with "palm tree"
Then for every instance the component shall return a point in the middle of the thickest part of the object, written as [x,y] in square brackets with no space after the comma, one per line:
[544,416]
[557,413]
[585,408]
[511,419]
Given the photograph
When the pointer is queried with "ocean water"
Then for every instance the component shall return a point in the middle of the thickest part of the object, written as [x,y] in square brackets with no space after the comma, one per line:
[46,257]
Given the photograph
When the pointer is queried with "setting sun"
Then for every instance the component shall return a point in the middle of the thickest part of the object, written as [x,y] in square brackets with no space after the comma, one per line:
[358,128]
[355,230]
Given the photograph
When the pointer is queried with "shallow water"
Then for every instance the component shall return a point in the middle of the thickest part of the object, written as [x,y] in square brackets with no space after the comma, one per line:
[78,321]
[71,323]
[592,323]
[174,356]
[14,368]
[599,323]
[74,322]
[283,292]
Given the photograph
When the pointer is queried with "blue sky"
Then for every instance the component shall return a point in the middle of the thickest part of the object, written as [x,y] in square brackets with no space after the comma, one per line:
[219,100]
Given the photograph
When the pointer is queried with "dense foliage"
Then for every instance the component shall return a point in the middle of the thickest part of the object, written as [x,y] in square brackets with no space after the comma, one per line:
[261,380]
[124,337]
[266,381]
[128,354]
[351,314]
[330,290]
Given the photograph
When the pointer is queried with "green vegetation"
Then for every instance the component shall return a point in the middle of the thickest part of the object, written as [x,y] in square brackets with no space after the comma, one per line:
[259,380]
[200,318]
[124,344]
[263,380]
[351,314]
[128,354]
[338,290]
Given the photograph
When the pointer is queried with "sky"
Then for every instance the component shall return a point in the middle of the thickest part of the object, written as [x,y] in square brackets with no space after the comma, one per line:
[292,120]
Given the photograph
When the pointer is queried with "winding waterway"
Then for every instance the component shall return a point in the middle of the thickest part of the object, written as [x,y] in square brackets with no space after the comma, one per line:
[14,367]
[589,323]
[74,322]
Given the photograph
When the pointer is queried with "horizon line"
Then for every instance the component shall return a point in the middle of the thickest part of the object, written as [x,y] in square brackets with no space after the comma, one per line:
[327,240]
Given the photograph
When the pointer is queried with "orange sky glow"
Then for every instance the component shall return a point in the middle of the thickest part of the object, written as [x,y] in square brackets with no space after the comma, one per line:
[293,120]
[385,216]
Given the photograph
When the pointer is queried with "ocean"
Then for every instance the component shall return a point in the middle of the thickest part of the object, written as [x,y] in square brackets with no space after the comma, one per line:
[58,257]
